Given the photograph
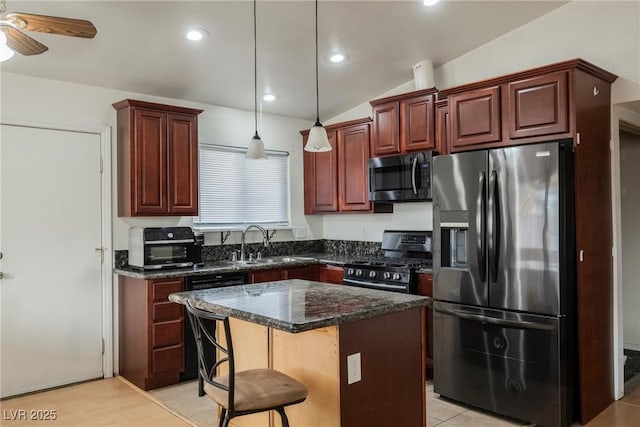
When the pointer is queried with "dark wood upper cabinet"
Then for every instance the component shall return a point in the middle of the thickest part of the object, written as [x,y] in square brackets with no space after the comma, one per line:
[386,129]
[321,178]
[539,106]
[353,149]
[417,123]
[403,123]
[442,127]
[338,180]
[475,118]
[157,159]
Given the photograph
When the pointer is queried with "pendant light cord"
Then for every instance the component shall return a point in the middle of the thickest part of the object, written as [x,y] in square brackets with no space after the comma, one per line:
[255,69]
[317,84]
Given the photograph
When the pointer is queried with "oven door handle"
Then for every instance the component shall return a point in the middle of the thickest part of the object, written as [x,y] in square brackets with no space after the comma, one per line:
[485,320]
[373,285]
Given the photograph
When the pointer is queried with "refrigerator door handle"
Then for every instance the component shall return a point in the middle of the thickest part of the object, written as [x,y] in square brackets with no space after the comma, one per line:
[413,175]
[494,226]
[481,224]
[485,320]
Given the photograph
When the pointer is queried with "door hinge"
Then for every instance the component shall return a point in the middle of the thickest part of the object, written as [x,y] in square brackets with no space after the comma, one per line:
[102,344]
[101,165]
[611,144]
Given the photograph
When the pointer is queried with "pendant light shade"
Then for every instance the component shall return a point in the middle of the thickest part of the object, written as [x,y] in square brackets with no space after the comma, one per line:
[318,140]
[256,146]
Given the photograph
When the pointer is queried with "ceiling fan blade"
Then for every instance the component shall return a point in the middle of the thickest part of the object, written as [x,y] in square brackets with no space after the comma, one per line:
[22,43]
[53,25]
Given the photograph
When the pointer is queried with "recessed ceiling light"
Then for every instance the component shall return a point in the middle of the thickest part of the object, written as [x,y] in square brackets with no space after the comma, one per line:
[269,97]
[338,57]
[430,2]
[196,34]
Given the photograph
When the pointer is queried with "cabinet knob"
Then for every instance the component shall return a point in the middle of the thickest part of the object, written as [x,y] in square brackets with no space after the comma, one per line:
[1,275]
[596,91]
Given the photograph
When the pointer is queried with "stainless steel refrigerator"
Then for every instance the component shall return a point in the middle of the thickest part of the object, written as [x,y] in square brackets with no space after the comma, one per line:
[504,281]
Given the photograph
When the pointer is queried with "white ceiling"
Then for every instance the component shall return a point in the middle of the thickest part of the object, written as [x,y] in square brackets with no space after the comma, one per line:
[140,47]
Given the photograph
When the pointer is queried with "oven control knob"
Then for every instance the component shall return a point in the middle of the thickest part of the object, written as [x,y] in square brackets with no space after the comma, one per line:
[372,274]
[358,272]
[386,275]
[350,272]
[396,276]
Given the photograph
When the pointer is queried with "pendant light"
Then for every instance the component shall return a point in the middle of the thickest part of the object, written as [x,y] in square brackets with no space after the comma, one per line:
[256,146]
[318,140]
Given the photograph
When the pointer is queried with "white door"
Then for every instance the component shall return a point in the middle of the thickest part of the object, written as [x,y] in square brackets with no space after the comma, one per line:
[50,227]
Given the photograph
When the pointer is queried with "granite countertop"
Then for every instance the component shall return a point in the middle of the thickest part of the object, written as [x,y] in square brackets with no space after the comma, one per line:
[231,267]
[299,305]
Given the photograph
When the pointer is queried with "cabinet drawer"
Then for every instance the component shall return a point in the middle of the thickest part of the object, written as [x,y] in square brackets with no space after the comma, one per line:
[167,333]
[169,359]
[163,311]
[160,290]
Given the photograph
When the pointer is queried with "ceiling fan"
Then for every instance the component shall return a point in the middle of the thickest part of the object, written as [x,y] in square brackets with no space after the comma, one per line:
[13,25]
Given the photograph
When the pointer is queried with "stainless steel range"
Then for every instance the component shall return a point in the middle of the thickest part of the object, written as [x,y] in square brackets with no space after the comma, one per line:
[404,253]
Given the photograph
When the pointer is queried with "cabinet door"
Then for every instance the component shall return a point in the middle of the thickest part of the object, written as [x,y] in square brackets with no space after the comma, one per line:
[353,152]
[475,118]
[267,275]
[332,274]
[307,272]
[386,132]
[539,106]
[183,164]
[321,178]
[416,123]
[442,127]
[149,173]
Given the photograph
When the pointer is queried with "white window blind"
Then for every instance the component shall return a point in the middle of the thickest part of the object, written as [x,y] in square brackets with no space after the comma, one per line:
[239,191]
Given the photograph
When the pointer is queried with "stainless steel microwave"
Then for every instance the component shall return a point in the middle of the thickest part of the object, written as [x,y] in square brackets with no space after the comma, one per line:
[402,178]
[152,248]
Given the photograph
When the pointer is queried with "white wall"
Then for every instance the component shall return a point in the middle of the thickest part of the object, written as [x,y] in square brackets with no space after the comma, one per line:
[630,209]
[42,102]
[605,33]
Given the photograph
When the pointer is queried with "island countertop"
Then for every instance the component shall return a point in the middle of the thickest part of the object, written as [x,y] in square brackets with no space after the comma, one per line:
[299,305]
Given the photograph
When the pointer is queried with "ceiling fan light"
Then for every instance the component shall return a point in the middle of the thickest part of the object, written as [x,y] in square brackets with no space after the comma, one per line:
[5,51]
[318,140]
[256,149]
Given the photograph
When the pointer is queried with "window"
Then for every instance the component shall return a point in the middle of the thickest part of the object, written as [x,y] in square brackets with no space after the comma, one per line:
[237,191]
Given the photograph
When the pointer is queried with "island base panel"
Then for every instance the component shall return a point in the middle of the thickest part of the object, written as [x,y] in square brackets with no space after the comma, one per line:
[392,389]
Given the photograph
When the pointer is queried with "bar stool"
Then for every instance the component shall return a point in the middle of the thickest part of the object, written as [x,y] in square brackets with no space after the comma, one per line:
[244,392]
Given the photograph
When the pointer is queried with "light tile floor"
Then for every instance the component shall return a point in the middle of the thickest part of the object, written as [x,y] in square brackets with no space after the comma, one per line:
[183,399]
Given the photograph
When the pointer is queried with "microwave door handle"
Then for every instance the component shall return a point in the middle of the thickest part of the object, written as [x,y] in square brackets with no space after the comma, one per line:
[481,225]
[414,167]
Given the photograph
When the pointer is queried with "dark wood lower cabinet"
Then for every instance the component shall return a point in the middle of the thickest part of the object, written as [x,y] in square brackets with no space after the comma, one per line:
[151,332]
[307,272]
[332,274]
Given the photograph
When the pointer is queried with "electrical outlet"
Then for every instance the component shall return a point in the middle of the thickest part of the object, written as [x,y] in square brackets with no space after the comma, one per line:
[299,232]
[354,371]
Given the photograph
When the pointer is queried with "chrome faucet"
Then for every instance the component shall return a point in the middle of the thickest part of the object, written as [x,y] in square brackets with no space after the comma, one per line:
[265,238]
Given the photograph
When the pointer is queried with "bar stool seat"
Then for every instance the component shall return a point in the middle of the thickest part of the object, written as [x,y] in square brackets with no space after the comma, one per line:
[258,389]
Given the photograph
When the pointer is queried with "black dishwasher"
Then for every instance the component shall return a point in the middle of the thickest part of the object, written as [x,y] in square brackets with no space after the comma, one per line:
[196,283]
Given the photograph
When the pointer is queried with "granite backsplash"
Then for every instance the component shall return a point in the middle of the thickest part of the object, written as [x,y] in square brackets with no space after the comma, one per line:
[298,247]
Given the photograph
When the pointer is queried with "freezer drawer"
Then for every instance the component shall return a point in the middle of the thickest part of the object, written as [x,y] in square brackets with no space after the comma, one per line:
[509,363]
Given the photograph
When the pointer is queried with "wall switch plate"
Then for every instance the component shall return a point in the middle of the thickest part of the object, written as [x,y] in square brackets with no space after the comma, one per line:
[354,371]
[299,232]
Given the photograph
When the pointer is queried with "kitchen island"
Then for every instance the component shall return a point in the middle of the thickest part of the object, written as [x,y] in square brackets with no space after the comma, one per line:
[310,330]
